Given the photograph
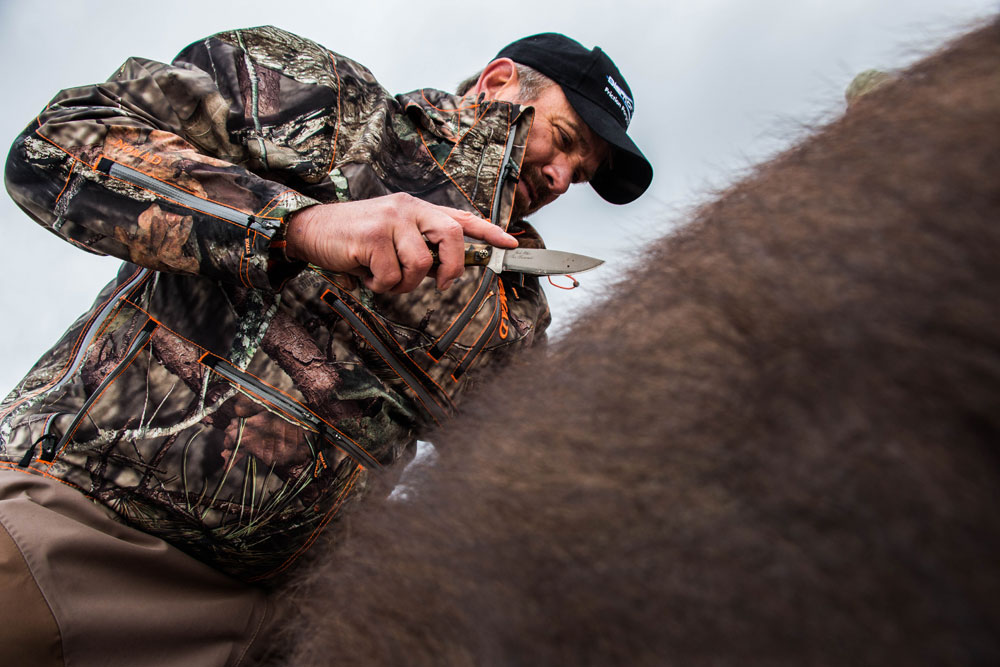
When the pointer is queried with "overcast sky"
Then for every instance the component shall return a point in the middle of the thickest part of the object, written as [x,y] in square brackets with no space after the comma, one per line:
[718,84]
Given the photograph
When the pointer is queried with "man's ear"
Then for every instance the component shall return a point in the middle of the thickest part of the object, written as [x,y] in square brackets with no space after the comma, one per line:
[498,81]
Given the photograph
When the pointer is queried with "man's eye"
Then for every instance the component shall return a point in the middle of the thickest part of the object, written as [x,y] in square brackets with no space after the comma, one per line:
[564,140]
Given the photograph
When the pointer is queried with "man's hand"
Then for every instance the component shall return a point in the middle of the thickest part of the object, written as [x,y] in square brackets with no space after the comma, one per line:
[385,236]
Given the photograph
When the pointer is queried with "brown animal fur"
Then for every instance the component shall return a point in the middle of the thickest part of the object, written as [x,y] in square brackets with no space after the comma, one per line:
[775,443]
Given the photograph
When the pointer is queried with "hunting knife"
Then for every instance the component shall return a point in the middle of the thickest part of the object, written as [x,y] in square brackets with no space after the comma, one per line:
[536,261]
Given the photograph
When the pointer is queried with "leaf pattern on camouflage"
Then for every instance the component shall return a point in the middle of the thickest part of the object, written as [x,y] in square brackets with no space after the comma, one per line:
[302,59]
[158,241]
[219,469]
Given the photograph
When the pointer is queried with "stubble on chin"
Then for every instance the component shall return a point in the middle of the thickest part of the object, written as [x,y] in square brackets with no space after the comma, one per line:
[524,205]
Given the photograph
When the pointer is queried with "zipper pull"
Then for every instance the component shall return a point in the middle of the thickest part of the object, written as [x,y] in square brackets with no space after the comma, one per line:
[49,442]
[512,171]
[247,243]
[26,460]
[48,451]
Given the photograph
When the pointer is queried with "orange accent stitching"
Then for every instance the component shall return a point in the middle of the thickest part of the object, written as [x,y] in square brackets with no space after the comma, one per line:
[244,267]
[486,332]
[445,172]
[286,395]
[173,185]
[40,473]
[161,325]
[471,127]
[69,436]
[415,393]
[485,276]
[256,240]
[39,133]
[401,349]
[243,256]
[263,399]
[125,298]
[319,527]
[329,278]
[93,166]
[73,351]
[456,109]
[268,206]
[458,140]
[66,184]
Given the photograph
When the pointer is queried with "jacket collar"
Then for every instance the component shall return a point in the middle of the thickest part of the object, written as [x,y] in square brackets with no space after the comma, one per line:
[467,139]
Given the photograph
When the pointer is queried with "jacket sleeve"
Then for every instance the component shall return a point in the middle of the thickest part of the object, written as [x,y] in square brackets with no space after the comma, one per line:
[181,167]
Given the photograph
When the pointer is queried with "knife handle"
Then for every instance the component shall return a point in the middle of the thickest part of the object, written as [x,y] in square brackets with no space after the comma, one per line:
[476,254]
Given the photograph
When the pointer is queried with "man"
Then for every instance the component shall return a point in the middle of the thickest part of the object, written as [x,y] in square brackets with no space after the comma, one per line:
[271,342]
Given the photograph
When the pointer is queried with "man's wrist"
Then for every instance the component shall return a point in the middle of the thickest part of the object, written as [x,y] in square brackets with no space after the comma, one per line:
[296,246]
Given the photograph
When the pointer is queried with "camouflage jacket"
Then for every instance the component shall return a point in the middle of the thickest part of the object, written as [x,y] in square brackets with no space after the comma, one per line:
[217,394]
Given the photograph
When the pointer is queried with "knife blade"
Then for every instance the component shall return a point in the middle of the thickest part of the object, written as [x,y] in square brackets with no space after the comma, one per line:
[536,261]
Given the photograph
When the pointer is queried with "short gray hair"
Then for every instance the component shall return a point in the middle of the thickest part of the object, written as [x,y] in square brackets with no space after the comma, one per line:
[531,80]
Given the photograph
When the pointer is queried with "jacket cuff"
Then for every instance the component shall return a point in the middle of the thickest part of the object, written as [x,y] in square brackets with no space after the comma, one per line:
[278,268]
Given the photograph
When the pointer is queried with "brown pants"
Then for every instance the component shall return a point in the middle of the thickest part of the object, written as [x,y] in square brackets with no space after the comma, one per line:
[80,589]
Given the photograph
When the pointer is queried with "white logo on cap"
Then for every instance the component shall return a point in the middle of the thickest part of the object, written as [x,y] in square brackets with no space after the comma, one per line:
[622,100]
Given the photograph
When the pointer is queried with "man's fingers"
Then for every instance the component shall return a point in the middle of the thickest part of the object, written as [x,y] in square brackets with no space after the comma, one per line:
[415,258]
[478,228]
[387,235]
[385,269]
[439,227]
[448,227]
[484,230]
[451,262]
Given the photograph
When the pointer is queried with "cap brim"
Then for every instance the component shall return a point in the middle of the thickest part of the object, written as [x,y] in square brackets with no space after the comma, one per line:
[628,173]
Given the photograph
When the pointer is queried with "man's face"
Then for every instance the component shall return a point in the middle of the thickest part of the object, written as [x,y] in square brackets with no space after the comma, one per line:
[561,150]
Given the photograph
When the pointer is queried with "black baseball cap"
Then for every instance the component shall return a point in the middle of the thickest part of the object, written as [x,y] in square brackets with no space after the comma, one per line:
[598,93]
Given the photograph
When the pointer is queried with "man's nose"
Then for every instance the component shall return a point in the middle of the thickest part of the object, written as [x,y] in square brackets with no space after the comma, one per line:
[559,174]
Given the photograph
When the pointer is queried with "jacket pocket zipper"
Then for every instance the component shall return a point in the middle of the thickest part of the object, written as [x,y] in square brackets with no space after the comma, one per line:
[84,341]
[473,353]
[403,366]
[50,446]
[290,407]
[265,226]
[507,170]
[458,326]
